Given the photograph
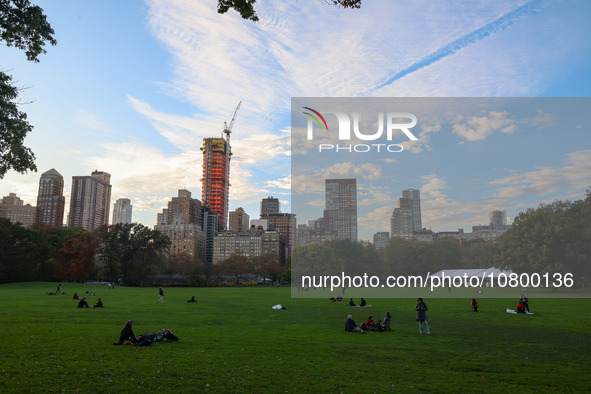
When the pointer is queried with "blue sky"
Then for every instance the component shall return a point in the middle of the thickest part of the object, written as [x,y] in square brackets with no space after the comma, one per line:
[133,87]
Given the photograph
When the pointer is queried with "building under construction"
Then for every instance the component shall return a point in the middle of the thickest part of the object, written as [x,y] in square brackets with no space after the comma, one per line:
[216,173]
[216,177]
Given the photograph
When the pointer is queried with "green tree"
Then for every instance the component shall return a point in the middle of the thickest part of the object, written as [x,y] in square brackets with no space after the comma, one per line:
[315,260]
[476,254]
[24,26]
[125,248]
[16,262]
[553,238]
[358,257]
[246,7]
[44,242]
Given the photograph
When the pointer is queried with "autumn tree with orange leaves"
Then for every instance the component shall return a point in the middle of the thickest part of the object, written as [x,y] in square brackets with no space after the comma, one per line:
[76,256]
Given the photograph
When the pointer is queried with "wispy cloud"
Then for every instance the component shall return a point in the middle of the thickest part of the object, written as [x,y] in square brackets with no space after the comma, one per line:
[479,127]
[91,121]
[548,180]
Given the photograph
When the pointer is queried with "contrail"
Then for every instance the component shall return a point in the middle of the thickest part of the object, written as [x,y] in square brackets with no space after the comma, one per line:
[493,27]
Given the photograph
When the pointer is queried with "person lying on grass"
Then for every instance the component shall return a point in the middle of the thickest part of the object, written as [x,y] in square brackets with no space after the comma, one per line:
[159,336]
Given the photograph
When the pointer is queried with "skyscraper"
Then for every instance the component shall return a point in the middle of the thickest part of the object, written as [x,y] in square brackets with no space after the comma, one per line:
[216,177]
[270,205]
[90,200]
[122,211]
[415,199]
[239,221]
[340,212]
[50,199]
[401,221]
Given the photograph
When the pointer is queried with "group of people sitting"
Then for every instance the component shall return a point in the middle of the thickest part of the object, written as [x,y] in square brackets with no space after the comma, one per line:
[337,299]
[369,325]
[84,304]
[127,337]
[362,303]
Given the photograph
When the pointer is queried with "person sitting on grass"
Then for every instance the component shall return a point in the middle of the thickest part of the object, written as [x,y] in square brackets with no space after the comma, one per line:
[387,322]
[363,302]
[351,326]
[520,307]
[369,325]
[99,304]
[75,297]
[83,303]
[127,337]
[474,305]
[352,303]
[192,299]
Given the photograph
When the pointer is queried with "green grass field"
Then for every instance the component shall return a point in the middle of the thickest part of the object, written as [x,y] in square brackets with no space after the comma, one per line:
[232,341]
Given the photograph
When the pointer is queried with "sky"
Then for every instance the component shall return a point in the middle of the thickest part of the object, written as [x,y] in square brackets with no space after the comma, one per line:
[133,87]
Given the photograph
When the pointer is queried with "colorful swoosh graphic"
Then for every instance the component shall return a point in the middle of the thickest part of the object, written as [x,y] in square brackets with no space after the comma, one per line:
[315,118]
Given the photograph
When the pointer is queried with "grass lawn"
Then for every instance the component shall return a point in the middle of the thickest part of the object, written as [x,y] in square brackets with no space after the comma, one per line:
[232,341]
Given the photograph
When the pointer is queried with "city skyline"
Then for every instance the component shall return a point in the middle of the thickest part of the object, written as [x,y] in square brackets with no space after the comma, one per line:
[140,107]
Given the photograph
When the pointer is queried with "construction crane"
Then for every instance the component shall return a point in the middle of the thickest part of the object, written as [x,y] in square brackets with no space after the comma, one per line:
[228,129]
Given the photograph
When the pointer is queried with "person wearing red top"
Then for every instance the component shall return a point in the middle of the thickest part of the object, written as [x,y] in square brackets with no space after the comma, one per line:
[369,325]
[474,305]
[520,307]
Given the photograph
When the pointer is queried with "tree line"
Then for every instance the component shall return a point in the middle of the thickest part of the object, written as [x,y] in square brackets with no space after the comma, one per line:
[131,253]
[553,238]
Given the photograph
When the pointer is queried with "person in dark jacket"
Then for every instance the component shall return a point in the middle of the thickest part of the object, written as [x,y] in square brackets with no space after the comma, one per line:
[351,326]
[83,303]
[524,301]
[387,322]
[99,303]
[127,334]
[161,294]
[422,309]
[351,302]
